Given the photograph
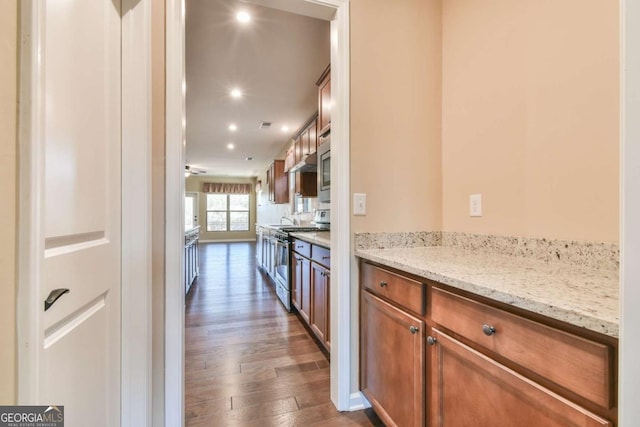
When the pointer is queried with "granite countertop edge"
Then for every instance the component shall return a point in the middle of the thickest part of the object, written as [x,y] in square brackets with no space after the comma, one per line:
[424,268]
[320,238]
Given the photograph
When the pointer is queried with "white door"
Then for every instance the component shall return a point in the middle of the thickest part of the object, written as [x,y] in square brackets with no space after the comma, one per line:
[78,209]
[190,210]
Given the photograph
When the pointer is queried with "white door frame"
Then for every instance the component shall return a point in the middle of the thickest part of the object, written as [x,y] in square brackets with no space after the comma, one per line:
[136,206]
[629,371]
[341,313]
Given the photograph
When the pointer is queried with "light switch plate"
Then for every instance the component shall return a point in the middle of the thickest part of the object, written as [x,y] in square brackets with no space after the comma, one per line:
[475,205]
[359,204]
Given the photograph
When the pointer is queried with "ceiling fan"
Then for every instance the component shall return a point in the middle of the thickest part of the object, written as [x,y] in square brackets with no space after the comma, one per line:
[188,170]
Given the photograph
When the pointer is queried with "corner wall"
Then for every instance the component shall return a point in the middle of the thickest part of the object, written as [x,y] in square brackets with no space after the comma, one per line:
[8,194]
[531,117]
[396,68]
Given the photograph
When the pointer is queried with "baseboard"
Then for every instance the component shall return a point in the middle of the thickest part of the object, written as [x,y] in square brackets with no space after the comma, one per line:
[358,402]
[226,240]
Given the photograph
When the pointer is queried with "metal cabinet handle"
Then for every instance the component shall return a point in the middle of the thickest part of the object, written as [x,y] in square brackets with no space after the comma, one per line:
[53,297]
[413,329]
[326,257]
[431,340]
[300,247]
[488,330]
[383,284]
[298,259]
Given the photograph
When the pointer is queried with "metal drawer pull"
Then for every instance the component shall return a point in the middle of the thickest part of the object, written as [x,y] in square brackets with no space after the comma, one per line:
[431,340]
[326,257]
[53,297]
[300,247]
[413,329]
[488,330]
[383,284]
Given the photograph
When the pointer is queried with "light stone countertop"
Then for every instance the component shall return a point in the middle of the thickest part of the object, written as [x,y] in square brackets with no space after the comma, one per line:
[585,297]
[322,238]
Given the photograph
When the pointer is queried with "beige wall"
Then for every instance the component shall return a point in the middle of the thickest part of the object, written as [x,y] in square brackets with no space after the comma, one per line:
[8,182]
[530,117]
[194,185]
[395,113]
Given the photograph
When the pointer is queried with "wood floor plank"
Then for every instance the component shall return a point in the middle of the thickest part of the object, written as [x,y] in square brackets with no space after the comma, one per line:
[248,362]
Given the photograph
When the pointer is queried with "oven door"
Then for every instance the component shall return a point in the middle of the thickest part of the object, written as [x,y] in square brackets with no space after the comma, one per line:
[282,272]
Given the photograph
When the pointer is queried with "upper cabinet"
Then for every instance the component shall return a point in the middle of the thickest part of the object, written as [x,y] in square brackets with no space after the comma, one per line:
[278,183]
[324,101]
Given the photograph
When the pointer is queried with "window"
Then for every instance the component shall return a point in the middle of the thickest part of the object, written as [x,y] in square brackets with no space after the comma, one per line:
[227,212]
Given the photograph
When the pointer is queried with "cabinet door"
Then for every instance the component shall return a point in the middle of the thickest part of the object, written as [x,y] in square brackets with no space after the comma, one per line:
[296,280]
[320,302]
[324,102]
[297,149]
[392,362]
[304,143]
[305,287]
[471,389]
[313,136]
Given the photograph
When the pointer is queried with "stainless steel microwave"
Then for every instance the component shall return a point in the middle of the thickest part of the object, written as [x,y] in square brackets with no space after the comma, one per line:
[324,168]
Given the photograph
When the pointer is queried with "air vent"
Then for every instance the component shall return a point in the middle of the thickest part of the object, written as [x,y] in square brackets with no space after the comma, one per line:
[265,125]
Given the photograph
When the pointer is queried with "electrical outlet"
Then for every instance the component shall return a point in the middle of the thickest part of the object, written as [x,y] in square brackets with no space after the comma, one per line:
[359,204]
[475,205]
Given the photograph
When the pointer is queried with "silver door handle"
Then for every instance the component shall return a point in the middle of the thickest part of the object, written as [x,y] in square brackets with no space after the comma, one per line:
[54,295]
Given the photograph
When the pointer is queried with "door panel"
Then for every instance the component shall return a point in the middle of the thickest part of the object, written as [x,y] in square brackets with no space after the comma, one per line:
[79,356]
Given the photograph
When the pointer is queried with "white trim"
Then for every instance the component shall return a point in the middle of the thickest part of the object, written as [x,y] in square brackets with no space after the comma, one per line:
[341,315]
[136,299]
[358,402]
[629,371]
[31,158]
[174,214]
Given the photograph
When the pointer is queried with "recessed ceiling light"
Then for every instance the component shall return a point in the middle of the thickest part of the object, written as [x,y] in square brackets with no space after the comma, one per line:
[249,158]
[230,146]
[236,93]
[285,128]
[233,127]
[243,16]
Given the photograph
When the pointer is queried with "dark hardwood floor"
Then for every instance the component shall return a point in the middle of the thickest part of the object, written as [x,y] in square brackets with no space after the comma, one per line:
[248,361]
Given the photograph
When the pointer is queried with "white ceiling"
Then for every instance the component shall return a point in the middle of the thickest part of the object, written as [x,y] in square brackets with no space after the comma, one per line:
[275,60]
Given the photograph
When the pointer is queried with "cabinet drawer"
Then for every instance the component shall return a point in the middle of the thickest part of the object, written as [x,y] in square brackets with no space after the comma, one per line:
[321,255]
[302,247]
[577,364]
[401,290]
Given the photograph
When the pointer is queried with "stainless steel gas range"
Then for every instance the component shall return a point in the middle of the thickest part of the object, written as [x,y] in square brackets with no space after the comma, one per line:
[282,261]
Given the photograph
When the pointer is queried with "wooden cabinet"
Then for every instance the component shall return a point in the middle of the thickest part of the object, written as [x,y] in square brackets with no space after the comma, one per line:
[579,365]
[306,184]
[320,288]
[324,101]
[471,389]
[306,142]
[278,183]
[301,283]
[311,287]
[486,364]
[392,364]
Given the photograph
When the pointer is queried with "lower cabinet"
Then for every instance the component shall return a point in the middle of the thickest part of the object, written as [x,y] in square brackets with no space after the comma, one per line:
[319,321]
[311,284]
[482,365]
[471,389]
[392,363]
[301,282]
